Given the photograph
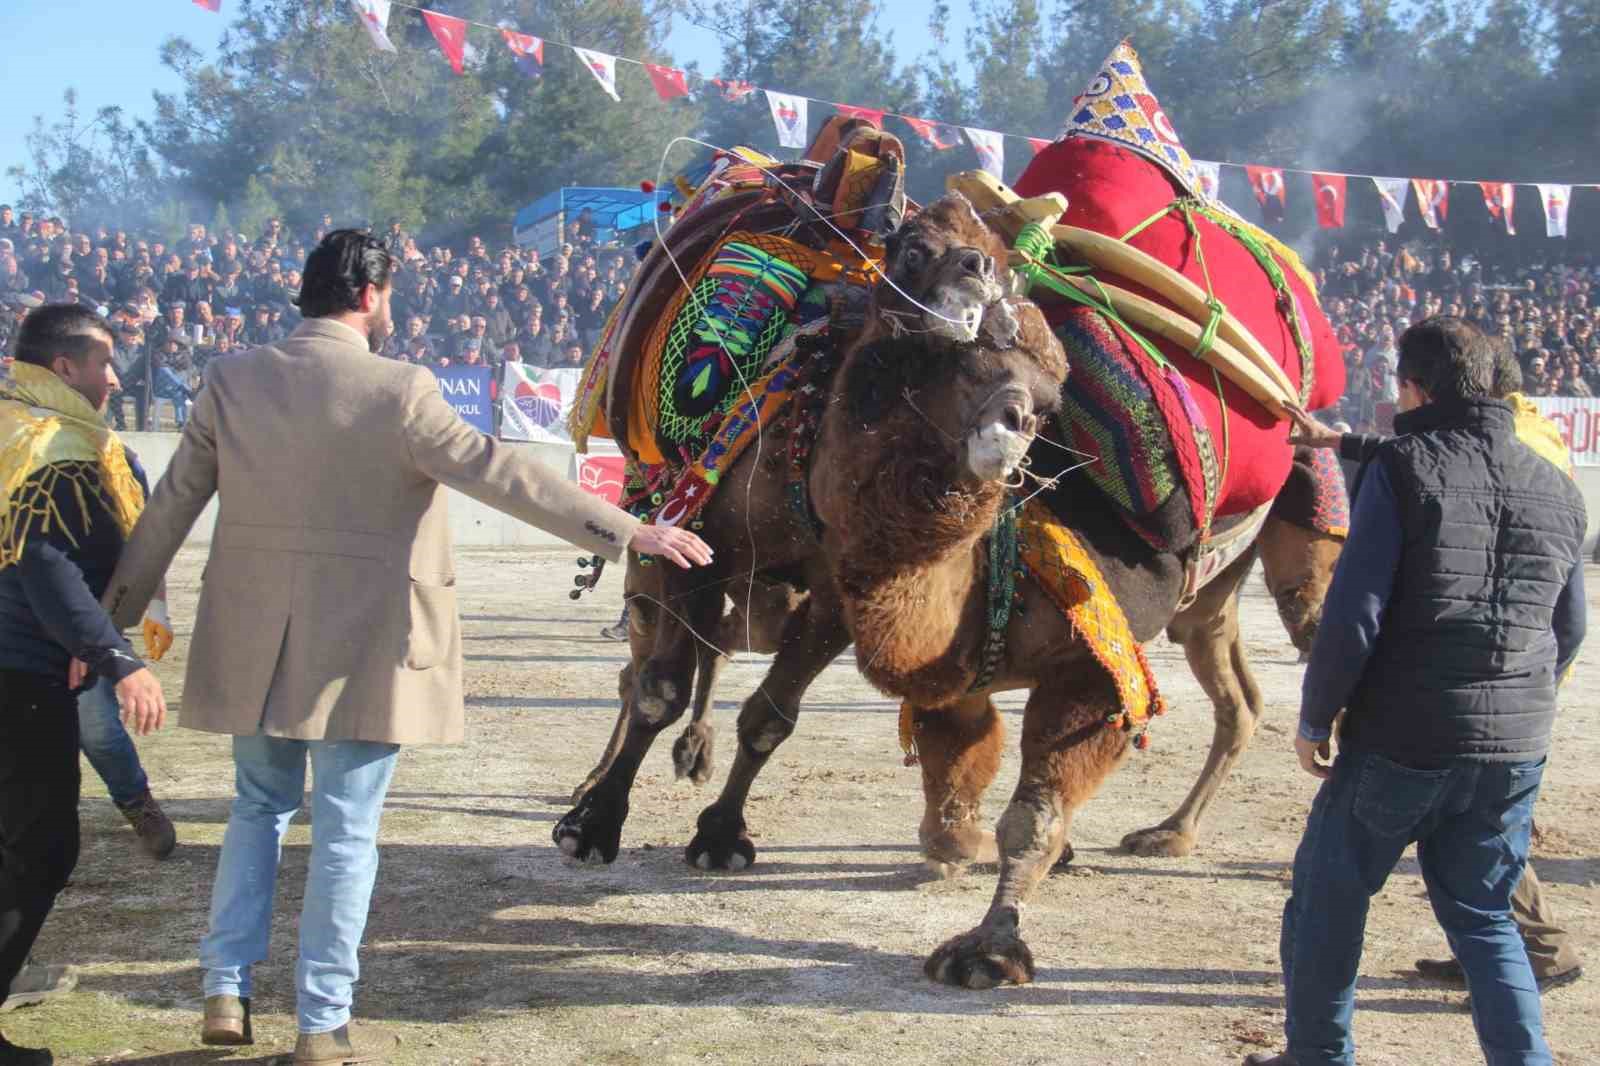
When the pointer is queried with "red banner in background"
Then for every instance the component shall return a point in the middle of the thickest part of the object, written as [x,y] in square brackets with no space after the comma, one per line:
[602,476]
[1578,418]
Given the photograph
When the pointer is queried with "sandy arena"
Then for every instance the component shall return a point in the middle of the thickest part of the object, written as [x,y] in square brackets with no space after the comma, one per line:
[486,947]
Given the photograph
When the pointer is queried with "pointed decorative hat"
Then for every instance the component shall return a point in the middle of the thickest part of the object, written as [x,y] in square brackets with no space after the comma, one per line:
[1119,107]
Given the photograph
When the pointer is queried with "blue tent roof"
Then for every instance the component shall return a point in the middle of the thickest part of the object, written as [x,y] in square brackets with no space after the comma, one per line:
[611,208]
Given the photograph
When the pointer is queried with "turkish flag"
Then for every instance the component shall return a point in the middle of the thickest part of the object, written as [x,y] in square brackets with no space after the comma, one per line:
[451,33]
[209,5]
[733,91]
[1500,197]
[937,134]
[873,115]
[670,82]
[1267,183]
[1330,190]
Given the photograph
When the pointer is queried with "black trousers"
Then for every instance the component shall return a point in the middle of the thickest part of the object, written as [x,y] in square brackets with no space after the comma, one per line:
[39,781]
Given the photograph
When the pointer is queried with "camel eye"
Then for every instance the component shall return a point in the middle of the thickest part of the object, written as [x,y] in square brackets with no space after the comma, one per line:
[914,256]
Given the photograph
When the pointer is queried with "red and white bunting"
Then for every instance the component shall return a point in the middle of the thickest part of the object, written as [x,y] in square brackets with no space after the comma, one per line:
[938,135]
[1392,195]
[670,82]
[1433,199]
[1267,183]
[604,69]
[1039,144]
[374,15]
[873,115]
[991,149]
[1556,199]
[1329,190]
[789,117]
[733,90]
[1208,179]
[209,5]
[451,33]
[1500,197]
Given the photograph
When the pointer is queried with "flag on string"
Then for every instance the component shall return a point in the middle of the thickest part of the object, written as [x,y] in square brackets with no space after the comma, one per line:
[1208,179]
[1433,199]
[1392,195]
[937,134]
[789,116]
[873,115]
[733,91]
[1499,197]
[670,82]
[991,149]
[604,69]
[528,50]
[1557,198]
[1330,190]
[209,5]
[1267,183]
[374,16]
[451,33]
[1039,144]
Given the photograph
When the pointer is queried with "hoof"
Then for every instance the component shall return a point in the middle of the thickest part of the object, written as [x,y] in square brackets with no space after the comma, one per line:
[691,754]
[1067,855]
[720,842]
[979,960]
[591,832]
[1158,842]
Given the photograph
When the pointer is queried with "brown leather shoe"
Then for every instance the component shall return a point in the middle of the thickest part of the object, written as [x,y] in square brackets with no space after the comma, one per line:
[345,1046]
[227,1022]
[151,825]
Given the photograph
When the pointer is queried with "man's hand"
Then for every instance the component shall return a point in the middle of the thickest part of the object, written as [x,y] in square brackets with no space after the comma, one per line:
[77,670]
[1310,751]
[679,545]
[1308,430]
[144,709]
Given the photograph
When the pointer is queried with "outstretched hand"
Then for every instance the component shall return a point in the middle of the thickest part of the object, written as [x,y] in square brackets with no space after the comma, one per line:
[679,545]
[1308,430]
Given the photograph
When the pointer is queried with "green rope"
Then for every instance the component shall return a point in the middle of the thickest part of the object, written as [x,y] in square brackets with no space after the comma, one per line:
[1034,243]
[1003,577]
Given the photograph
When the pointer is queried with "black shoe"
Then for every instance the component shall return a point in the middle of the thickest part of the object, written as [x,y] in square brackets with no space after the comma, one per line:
[1442,970]
[12,1055]
[1266,1058]
[1556,980]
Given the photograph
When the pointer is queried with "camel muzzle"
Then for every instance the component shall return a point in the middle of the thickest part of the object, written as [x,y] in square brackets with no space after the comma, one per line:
[1006,426]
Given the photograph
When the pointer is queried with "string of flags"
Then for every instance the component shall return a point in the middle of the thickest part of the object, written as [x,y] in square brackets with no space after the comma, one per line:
[789,113]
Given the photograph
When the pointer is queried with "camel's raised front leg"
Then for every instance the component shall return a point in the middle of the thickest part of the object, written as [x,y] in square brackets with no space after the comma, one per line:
[813,637]
[1209,633]
[959,748]
[1067,752]
[691,752]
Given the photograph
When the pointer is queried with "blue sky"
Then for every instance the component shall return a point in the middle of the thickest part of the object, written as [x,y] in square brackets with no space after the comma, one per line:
[108,50]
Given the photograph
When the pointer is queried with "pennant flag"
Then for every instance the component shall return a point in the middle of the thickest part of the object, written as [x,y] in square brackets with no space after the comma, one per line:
[1267,183]
[374,16]
[451,33]
[991,149]
[1038,144]
[733,91]
[873,115]
[1557,198]
[528,50]
[1208,179]
[1330,189]
[1392,195]
[209,5]
[937,134]
[670,82]
[789,116]
[1433,198]
[1499,197]
[604,69]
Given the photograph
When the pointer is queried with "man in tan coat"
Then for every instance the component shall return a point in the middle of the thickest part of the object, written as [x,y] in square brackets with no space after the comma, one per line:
[327,626]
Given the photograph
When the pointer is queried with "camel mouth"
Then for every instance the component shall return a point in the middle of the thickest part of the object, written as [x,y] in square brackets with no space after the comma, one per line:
[957,313]
[1005,430]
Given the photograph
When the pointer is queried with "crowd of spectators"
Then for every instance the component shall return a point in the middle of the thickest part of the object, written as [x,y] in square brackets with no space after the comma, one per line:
[1545,312]
[176,307]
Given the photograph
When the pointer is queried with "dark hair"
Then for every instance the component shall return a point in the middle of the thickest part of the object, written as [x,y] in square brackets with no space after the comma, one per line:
[1507,372]
[1448,358]
[55,330]
[344,263]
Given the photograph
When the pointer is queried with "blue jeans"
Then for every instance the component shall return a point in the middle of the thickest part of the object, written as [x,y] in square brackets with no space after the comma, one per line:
[1471,823]
[107,744]
[349,781]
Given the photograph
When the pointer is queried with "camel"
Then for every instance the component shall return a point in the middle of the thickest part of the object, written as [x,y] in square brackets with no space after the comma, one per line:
[920,430]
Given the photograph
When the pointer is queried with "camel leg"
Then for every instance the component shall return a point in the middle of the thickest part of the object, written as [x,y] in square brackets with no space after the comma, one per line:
[691,752]
[959,748]
[592,830]
[812,638]
[1298,566]
[1209,633]
[1067,752]
[618,731]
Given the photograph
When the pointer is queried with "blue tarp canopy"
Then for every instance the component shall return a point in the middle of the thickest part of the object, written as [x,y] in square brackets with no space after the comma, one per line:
[613,211]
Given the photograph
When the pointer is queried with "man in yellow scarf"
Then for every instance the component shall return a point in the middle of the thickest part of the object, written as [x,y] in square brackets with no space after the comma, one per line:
[67,501]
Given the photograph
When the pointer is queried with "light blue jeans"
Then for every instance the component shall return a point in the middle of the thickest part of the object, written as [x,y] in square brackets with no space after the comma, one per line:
[107,744]
[349,781]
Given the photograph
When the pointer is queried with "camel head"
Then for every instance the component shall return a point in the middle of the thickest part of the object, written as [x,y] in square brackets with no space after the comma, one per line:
[942,269]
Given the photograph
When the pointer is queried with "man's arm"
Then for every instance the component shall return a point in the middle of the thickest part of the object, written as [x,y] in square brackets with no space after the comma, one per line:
[1352,612]
[1570,621]
[68,612]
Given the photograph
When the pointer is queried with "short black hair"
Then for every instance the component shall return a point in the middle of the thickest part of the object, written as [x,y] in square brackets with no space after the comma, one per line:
[1448,358]
[1507,372]
[55,330]
[345,262]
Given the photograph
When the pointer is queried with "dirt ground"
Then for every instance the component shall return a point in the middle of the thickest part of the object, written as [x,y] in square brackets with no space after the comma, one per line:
[486,947]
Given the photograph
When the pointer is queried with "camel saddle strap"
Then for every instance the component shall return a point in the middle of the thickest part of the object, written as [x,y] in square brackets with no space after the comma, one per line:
[1219,551]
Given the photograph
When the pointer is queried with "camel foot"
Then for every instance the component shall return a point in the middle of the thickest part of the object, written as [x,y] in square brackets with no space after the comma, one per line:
[1067,855]
[981,959]
[948,853]
[592,831]
[721,842]
[1159,841]
[691,753]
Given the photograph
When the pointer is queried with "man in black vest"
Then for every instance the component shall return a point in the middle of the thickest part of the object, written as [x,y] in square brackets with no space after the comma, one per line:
[1457,603]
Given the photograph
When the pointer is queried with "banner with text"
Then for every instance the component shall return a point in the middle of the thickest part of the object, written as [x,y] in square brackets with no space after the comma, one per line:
[1578,418]
[534,403]
[466,388]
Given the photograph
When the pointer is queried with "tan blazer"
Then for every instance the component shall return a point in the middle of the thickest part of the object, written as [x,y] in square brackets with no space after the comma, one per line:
[328,603]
